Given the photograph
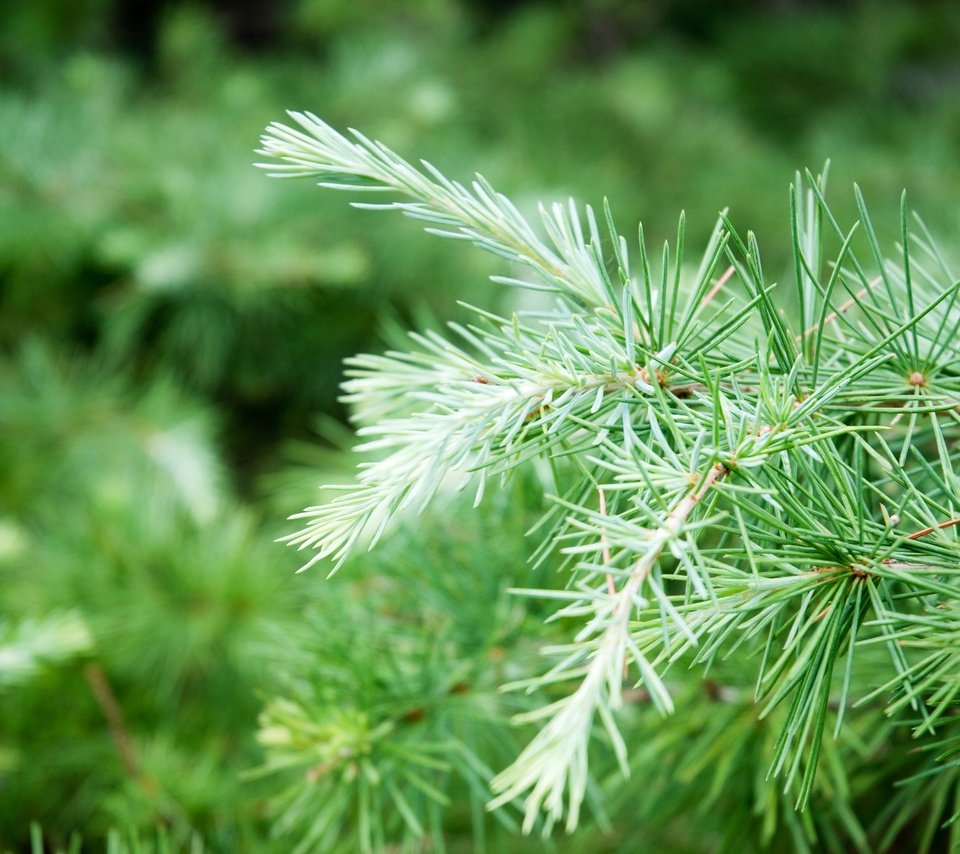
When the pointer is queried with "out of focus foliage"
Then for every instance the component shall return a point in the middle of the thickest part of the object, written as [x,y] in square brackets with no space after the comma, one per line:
[172,326]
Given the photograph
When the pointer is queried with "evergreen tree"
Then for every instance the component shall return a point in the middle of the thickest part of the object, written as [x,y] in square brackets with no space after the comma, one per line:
[746,567]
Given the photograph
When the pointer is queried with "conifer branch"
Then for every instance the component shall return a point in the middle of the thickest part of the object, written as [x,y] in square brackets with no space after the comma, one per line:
[479,214]
[556,760]
[728,475]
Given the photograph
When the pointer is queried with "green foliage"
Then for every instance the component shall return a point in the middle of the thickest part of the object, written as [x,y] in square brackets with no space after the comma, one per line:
[171,324]
[28,647]
[385,731]
[761,498]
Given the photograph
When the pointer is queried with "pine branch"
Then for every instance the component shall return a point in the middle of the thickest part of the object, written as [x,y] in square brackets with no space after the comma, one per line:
[725,479]
[556,760]
[29,646]
[479,214]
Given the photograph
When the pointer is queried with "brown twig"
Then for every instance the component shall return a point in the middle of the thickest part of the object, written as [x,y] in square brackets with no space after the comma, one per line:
[717,287]
[107,700]
[916,535]
[842,309]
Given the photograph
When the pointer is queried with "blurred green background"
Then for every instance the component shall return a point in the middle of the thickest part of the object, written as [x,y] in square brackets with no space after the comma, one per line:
[173,325]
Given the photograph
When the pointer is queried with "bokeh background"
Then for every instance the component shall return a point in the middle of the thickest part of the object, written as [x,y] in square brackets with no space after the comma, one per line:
[173,322]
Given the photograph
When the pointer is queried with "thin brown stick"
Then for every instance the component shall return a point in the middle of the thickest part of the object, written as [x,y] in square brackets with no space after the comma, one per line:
[717,287]
[107,700]
[916,535]
[843,308]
